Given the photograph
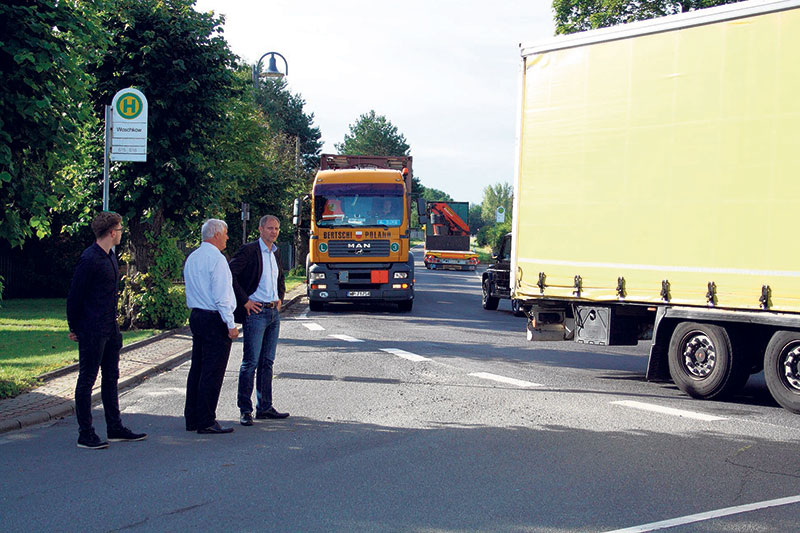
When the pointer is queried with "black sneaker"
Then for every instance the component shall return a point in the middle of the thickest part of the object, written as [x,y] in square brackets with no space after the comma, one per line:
[246,419]
[91,442]
[123,434]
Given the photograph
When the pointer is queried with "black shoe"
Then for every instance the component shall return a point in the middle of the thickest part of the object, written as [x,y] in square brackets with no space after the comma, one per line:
[270,413]
[123,434]
[91,442]
[214,429]
[246,419]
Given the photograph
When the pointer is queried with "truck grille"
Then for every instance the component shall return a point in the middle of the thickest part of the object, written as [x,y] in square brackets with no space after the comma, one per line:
[358,248]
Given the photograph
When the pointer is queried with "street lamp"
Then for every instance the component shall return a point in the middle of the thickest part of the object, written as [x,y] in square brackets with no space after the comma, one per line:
[272,68]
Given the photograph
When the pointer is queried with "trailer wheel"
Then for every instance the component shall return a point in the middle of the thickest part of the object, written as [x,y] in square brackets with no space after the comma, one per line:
[782,369]
[316,306]
[490,302]
[701,361]
[517,308]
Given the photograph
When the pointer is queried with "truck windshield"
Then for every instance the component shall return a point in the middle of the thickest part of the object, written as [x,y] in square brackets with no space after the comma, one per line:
[358,204]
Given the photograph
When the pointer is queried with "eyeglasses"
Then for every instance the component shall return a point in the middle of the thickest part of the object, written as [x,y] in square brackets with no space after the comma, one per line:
[119,229]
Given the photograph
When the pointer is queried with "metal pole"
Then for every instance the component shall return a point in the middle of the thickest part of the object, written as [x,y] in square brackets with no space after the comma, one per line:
[105,157]
[245,218]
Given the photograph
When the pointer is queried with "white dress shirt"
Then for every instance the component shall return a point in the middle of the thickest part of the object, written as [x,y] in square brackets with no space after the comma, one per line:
[209,284]
[267,290]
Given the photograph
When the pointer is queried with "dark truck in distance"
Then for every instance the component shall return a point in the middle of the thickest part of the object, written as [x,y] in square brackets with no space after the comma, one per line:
[496,280]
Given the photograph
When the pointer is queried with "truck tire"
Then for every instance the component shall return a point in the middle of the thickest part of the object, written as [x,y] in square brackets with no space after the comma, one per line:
[702,363]
[782,369]
[405,307]
[490,303]
[316,306]
[517,308]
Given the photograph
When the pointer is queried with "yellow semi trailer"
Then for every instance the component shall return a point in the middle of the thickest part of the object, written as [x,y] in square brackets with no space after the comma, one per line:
[656,194]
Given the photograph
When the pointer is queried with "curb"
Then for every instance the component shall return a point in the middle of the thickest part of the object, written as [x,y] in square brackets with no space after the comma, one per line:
[67,408]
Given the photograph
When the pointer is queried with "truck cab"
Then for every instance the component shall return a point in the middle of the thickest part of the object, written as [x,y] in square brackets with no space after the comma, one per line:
[496,280]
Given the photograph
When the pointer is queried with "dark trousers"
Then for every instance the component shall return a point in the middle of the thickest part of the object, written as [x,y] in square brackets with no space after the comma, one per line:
[211,348]
[95,353]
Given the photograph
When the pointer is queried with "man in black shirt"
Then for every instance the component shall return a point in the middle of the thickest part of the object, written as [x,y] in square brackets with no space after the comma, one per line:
[92,318]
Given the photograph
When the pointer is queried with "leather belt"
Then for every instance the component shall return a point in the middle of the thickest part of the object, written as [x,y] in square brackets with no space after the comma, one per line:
[267,305]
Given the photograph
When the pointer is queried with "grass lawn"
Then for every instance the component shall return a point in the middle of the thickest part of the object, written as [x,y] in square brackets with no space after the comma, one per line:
[484,254]
[33,340]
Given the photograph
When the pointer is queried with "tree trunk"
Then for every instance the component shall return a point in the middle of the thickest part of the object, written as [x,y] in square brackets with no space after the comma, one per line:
[142,251]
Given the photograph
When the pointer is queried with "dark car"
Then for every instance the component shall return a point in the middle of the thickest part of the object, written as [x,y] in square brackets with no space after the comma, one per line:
[496,281]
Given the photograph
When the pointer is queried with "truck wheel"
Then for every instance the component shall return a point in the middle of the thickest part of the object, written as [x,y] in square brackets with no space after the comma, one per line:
[701,361]
[782,369]
[517,308]
[316,306]
[490,303]
[405,307]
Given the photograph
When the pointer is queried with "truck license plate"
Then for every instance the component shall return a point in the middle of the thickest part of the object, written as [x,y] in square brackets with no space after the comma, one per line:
[357,294]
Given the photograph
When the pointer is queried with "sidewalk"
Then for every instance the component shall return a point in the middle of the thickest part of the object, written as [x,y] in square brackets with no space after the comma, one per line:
[55,398]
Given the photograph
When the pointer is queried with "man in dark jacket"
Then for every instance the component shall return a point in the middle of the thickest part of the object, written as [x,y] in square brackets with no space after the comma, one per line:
[259,285]
[92,319]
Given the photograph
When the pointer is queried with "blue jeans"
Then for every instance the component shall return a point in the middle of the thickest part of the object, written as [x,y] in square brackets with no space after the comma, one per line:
[260,342]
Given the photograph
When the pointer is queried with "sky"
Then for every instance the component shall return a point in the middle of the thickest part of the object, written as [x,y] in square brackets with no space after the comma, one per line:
[444,72]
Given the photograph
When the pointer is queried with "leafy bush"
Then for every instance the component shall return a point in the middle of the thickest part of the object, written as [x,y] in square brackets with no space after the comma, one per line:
[492,235]
[299,271]
[152,299]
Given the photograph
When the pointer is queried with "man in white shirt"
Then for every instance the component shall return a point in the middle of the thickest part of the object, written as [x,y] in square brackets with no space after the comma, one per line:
[209,294]
[259,285]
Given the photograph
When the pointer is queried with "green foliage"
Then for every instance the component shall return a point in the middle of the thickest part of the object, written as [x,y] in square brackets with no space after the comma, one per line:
[178,58]
[373,134]
[435,195]
[43,111]
[580,15]
[299,271]
[284,113]
[152,299]
[494,196]
[476,221]
[492,234]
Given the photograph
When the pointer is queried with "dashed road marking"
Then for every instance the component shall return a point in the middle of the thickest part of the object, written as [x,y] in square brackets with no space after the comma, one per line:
[709,515]
[347,338]
[503,379]
[313,326]
[668,411]
[404,354]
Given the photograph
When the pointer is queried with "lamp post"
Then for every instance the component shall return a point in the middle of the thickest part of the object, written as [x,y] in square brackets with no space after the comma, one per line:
[272,68]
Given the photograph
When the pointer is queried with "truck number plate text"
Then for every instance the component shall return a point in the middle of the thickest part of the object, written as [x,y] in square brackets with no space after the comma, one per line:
[357,294]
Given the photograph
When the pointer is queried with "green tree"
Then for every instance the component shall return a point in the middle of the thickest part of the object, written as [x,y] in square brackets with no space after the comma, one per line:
[435,195]
[476,221]
[178,58]
[579,15]
[44,46]
[284,113]
[494,196]
[373,134]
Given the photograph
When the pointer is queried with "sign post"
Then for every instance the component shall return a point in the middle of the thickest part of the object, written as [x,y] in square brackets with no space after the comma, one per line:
[500,215]
[126,131]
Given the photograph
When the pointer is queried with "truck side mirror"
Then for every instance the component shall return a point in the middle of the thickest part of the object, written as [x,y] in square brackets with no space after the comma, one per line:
[422,211]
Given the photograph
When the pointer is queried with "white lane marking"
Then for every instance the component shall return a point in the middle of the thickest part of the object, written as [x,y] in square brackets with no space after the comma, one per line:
[404,354]
[699,517]
[347,338]
[503,379]
[313,326]
[668,411]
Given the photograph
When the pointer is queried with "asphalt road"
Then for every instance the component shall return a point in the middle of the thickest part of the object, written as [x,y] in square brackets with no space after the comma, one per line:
[442,419]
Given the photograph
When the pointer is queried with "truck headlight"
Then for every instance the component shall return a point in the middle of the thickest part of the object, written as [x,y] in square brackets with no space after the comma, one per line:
[400,275]
[316,275]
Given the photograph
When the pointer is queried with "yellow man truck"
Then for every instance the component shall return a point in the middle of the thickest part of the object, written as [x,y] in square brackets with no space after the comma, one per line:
[656,192]
[446,235]
[359,234]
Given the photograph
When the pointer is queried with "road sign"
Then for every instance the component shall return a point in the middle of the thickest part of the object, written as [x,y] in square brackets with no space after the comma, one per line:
[500,215]
[129,126]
